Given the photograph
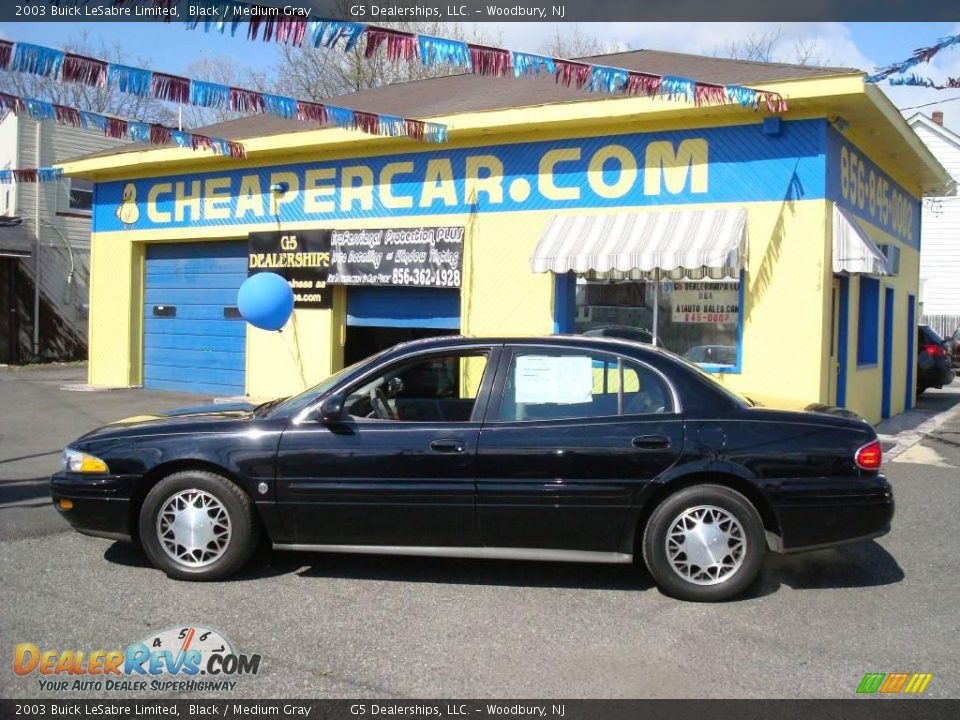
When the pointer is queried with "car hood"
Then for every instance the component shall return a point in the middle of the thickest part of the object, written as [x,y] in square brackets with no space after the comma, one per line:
[199,418]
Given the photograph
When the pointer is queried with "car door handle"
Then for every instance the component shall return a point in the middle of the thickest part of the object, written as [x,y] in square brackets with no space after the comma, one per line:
[650,442]
[447,446]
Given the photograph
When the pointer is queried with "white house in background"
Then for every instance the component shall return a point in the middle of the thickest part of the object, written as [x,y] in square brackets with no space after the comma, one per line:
[940,232]
[52,239]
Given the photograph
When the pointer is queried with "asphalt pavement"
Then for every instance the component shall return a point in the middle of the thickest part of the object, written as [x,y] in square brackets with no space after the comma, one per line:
[355,626]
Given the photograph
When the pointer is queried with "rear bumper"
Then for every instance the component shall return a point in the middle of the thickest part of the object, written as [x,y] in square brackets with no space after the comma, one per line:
[101,504]
[936,376]
[815,514]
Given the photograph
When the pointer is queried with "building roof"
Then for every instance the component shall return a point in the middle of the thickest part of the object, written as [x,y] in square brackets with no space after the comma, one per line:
[466,92]
[946,133]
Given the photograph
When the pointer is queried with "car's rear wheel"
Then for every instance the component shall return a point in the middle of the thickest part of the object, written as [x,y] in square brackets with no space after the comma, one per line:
[704,543]
[197,525]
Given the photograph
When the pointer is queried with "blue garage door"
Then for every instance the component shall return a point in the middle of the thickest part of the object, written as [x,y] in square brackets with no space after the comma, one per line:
[193,339]
[403,307]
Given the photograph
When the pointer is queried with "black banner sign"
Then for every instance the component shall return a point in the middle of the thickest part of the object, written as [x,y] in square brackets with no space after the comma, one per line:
[415,257]
[301,257]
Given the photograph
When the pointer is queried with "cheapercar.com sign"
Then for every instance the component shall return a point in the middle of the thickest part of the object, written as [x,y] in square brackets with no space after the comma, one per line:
[729,164]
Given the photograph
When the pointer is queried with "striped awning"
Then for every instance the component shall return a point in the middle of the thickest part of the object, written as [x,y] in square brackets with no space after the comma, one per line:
[678,243]
[853,250]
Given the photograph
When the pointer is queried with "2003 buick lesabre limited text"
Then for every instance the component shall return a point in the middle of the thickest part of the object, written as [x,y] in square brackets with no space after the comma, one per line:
[584,449]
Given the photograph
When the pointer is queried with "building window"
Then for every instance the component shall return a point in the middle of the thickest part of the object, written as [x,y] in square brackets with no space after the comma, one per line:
[5,195]
[699,319]
[868,321]
[80,194]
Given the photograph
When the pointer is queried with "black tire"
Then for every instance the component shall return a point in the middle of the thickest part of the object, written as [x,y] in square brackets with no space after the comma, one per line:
[244,530]
[654,543]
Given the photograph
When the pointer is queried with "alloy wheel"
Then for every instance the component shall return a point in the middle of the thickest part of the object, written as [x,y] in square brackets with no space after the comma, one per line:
[193,528]
[706,545]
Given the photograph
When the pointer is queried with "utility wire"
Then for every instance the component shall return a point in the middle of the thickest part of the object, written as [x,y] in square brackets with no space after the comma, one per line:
[935,102]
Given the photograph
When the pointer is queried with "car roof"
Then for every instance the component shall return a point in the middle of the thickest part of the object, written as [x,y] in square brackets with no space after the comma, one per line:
[600,342]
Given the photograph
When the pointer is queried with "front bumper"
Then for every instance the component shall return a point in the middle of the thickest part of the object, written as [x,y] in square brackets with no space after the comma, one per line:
[814,514]
[101,504]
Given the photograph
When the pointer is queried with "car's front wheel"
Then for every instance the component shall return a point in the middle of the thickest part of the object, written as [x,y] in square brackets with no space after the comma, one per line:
[197,525]
[705,543]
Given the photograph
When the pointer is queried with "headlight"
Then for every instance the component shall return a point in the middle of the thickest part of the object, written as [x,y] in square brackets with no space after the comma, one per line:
[77,462]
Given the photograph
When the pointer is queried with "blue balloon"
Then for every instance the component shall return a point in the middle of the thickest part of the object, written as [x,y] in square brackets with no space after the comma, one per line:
[265,300]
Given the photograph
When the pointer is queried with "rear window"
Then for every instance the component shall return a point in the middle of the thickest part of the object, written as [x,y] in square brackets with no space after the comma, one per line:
[930,335]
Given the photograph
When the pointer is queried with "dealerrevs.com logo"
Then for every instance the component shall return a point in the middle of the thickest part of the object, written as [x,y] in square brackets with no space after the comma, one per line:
[181,659]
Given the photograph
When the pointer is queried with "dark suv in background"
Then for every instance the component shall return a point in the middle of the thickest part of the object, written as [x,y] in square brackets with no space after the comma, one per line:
[934,360]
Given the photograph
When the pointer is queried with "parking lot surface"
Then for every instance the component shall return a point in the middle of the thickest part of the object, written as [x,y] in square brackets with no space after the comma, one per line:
[349,626]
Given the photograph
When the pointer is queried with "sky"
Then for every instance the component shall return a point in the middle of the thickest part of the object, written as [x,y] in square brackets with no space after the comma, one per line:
[171,47]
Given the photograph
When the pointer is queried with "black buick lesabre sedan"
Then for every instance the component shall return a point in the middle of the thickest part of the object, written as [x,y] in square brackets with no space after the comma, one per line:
[561,448]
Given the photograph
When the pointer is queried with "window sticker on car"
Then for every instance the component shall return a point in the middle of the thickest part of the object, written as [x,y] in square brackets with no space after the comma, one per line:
[564,380]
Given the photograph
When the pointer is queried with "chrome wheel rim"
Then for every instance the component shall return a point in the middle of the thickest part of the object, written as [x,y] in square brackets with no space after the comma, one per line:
[706,545]
[194,528]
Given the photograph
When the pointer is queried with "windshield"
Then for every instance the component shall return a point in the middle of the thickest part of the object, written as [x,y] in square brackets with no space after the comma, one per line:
[298,402]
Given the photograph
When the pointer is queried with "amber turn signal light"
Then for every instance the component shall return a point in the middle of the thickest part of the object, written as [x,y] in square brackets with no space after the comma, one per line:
[66,504]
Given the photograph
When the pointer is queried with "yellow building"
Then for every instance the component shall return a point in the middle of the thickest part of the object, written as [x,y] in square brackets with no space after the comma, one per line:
[779,252]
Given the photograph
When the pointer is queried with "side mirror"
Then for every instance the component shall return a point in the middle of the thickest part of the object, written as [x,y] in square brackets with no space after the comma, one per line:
[331,409]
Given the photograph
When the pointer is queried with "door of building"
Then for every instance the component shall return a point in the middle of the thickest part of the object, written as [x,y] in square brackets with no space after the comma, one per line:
[833,370]
[888,299]
[194,340]
[9,315]
[379,317]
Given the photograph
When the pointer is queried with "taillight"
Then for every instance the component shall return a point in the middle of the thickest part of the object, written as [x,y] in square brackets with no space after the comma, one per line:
[869,456]
[932,349]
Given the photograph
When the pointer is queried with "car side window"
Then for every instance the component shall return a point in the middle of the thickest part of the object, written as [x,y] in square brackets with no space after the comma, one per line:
[437,388]
[544,384]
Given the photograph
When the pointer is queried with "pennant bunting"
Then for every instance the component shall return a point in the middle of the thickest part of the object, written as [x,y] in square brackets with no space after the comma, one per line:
[202,93]
[312,112]
[42,175]
[40,109]
[340,117]
[36,59]
[209,94]
[569,72]
[435,51]
[677,87]
[607,79]
[93,121]
[528,64]
[367,122]
[643,84]
[246,101]
[138,131]
[285,107]
[117,128]
[919,56]
[6,53]
[706,94]
[171,88]
[440,51]
[68,116]
[84,70]
[392,126]
[130,79]
[400,45]
[489,60]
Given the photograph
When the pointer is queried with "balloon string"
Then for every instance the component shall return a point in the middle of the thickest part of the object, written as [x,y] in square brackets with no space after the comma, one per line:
[295,358]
